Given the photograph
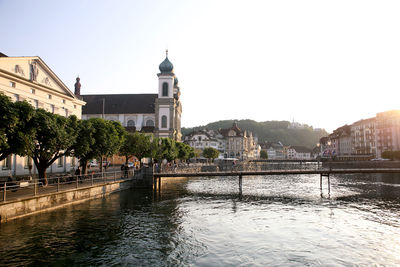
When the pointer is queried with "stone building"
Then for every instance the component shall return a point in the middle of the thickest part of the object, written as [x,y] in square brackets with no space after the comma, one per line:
[239,144]
[30,79]
[201,139]
[231,142]
[363,137]
[387,131]
[158,113]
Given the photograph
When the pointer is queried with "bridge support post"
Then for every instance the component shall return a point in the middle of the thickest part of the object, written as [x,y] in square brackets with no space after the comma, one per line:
[240,184]
[320,182]
[329,185]
[159,184]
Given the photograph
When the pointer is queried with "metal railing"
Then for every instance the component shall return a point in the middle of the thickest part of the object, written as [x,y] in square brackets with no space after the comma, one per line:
[240,167]
[11,190]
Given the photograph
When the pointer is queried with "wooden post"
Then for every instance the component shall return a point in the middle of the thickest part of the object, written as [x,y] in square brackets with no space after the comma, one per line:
[320,182]
[329,185]
[77,179]
[115,176]
[35,187]
[5,192]
[159,183]
[58,184]
[240,184]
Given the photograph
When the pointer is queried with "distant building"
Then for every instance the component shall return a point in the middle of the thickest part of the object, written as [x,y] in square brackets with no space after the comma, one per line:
[363,137]
[387,131]
[157,113]
[206,138]
[274,150]
[231,142]
[297,152]
[30,79]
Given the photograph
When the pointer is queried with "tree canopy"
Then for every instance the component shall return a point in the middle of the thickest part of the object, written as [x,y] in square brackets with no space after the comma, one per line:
[53,137]
[210,153]
[15,126]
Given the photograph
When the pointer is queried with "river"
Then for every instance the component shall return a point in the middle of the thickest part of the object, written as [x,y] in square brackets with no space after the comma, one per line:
[277,221]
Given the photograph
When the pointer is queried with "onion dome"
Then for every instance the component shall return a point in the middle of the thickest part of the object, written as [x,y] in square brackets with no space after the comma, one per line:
[166,66]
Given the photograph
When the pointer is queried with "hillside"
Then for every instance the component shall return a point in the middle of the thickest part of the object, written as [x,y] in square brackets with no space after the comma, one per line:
[270,131]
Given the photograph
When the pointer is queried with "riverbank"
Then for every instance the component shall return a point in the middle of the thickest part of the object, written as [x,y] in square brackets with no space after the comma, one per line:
[35,198]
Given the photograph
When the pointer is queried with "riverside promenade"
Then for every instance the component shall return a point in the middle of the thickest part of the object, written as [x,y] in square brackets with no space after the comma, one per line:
[23,198]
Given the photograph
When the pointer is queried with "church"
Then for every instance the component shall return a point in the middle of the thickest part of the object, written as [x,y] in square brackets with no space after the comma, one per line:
[159,113]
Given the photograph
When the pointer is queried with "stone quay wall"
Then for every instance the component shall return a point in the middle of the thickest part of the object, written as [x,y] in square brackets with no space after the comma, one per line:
[35,204]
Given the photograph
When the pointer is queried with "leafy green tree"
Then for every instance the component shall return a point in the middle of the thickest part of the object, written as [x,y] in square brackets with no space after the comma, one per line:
[53,137]
[184,151]
[136,144]
[82,148]
[210,153]
[15,126]
[168,149]
[108,138]
[263,154]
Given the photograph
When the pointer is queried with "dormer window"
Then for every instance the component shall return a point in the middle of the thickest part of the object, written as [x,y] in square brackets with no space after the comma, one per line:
[165,89]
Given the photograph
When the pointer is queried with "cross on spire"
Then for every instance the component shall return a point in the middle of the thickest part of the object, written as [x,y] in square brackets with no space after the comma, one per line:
[166,52]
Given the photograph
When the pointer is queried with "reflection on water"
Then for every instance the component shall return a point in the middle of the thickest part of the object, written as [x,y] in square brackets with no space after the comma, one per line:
[278,220]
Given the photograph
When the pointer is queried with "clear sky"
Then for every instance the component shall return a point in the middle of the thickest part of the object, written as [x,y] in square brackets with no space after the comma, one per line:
[324,63]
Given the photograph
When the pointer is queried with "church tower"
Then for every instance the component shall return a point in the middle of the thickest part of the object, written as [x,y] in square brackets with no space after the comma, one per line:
[168,108]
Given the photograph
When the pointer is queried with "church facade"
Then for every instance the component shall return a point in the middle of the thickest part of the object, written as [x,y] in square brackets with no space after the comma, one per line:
[159,113]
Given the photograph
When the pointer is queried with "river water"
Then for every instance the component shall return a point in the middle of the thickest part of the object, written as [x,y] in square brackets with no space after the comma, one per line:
[277,221]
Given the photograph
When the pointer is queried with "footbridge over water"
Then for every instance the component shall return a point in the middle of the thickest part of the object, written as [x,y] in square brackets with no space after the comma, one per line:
[265,169]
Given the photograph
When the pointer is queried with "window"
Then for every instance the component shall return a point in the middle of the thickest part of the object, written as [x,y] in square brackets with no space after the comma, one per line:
[16,97]
[165,89]
[49,96]
[33,91]
[36,104]
[6,163]
[63,101]
[52,108]
[66,112]
[12,84]
[149,123]
[75,106]
[131,123]
[60,161]
[164,121]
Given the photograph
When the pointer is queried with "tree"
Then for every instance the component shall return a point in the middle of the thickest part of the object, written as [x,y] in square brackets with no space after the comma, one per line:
[168,149]
[263,154]
[184,151]
[136,144]
[53,137]
[210,153]
[15,126]
[108,138]
[82,149]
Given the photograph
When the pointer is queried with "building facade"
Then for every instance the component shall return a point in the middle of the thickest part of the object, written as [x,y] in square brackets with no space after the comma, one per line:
[387,131]
[363,137]
[30,79]
[231,142]
[159,113]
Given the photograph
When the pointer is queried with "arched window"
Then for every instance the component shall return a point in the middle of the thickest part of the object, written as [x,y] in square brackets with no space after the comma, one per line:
[149,123]
[165,89]
[164,121]
[131,123]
